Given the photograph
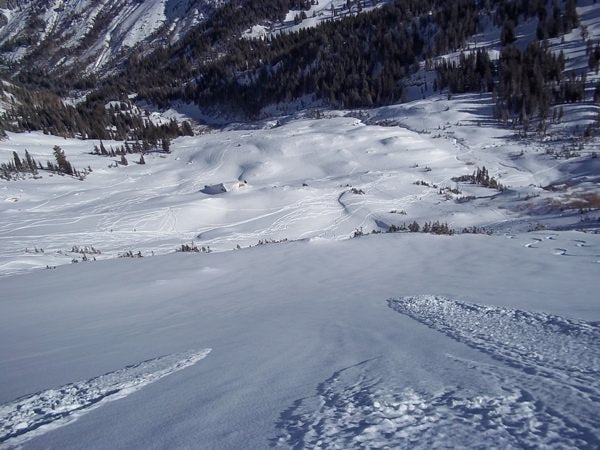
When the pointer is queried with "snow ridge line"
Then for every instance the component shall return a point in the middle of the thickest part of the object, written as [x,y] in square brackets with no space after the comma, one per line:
[36,414]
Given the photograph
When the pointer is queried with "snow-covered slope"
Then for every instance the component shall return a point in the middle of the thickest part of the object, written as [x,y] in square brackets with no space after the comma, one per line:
[92,33]
[314,344]
[327,335]
[318,12]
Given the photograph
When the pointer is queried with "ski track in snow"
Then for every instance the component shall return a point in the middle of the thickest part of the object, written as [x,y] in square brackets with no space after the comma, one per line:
[36,414]
[548,390]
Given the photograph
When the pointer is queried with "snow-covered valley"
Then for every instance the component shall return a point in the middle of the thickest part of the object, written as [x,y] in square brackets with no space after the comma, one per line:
[288,180]
[416,275]
[319,340]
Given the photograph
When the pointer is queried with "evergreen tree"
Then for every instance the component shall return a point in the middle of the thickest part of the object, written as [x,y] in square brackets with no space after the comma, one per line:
[17,162]
[166,145]
[62,164]
[30,163]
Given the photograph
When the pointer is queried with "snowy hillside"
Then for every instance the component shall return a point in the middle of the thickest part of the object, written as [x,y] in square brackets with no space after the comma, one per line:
[93,33]
[316,12]
[422,274]
[402,340]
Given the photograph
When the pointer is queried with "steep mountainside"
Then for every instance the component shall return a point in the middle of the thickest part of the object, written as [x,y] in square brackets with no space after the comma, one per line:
[91,34]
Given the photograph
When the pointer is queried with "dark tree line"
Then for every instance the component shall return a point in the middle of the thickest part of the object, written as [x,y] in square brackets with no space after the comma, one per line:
[356,61]
[47,112]
[526,83]
[473,72]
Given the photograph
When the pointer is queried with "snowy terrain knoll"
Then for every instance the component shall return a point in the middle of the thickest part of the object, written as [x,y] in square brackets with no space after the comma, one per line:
[300,179]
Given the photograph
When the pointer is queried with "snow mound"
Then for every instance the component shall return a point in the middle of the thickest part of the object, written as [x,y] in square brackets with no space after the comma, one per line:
[36,414]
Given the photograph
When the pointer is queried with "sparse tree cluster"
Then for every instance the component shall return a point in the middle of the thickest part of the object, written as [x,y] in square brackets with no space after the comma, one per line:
[482,178]
[47,112]
[20,166]
[435,227]
[131,148]
[193,248]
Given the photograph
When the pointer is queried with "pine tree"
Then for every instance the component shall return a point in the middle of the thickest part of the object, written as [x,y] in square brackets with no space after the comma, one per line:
[508,33]
[414,227]
[166,145]
[61,161]
[186,129]
[17,161]
[30,162]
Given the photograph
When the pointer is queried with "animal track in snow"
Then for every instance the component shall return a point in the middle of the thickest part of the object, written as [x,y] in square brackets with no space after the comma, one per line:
[36,414]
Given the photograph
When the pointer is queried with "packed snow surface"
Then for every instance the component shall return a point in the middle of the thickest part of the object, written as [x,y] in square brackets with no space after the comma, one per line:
[315,344]
[318,340]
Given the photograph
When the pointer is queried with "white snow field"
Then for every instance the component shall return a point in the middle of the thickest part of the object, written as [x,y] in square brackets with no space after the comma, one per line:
[315,344]
[318,340]
[294,179]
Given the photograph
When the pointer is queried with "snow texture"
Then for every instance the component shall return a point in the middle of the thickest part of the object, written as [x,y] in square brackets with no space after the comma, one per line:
[36,414]
[543,353]
[290,325]
[100,30]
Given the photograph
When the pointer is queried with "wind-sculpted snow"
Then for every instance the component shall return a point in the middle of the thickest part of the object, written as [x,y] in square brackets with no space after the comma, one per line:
[563,349]
[545,392]
[38,413]
[552,358]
